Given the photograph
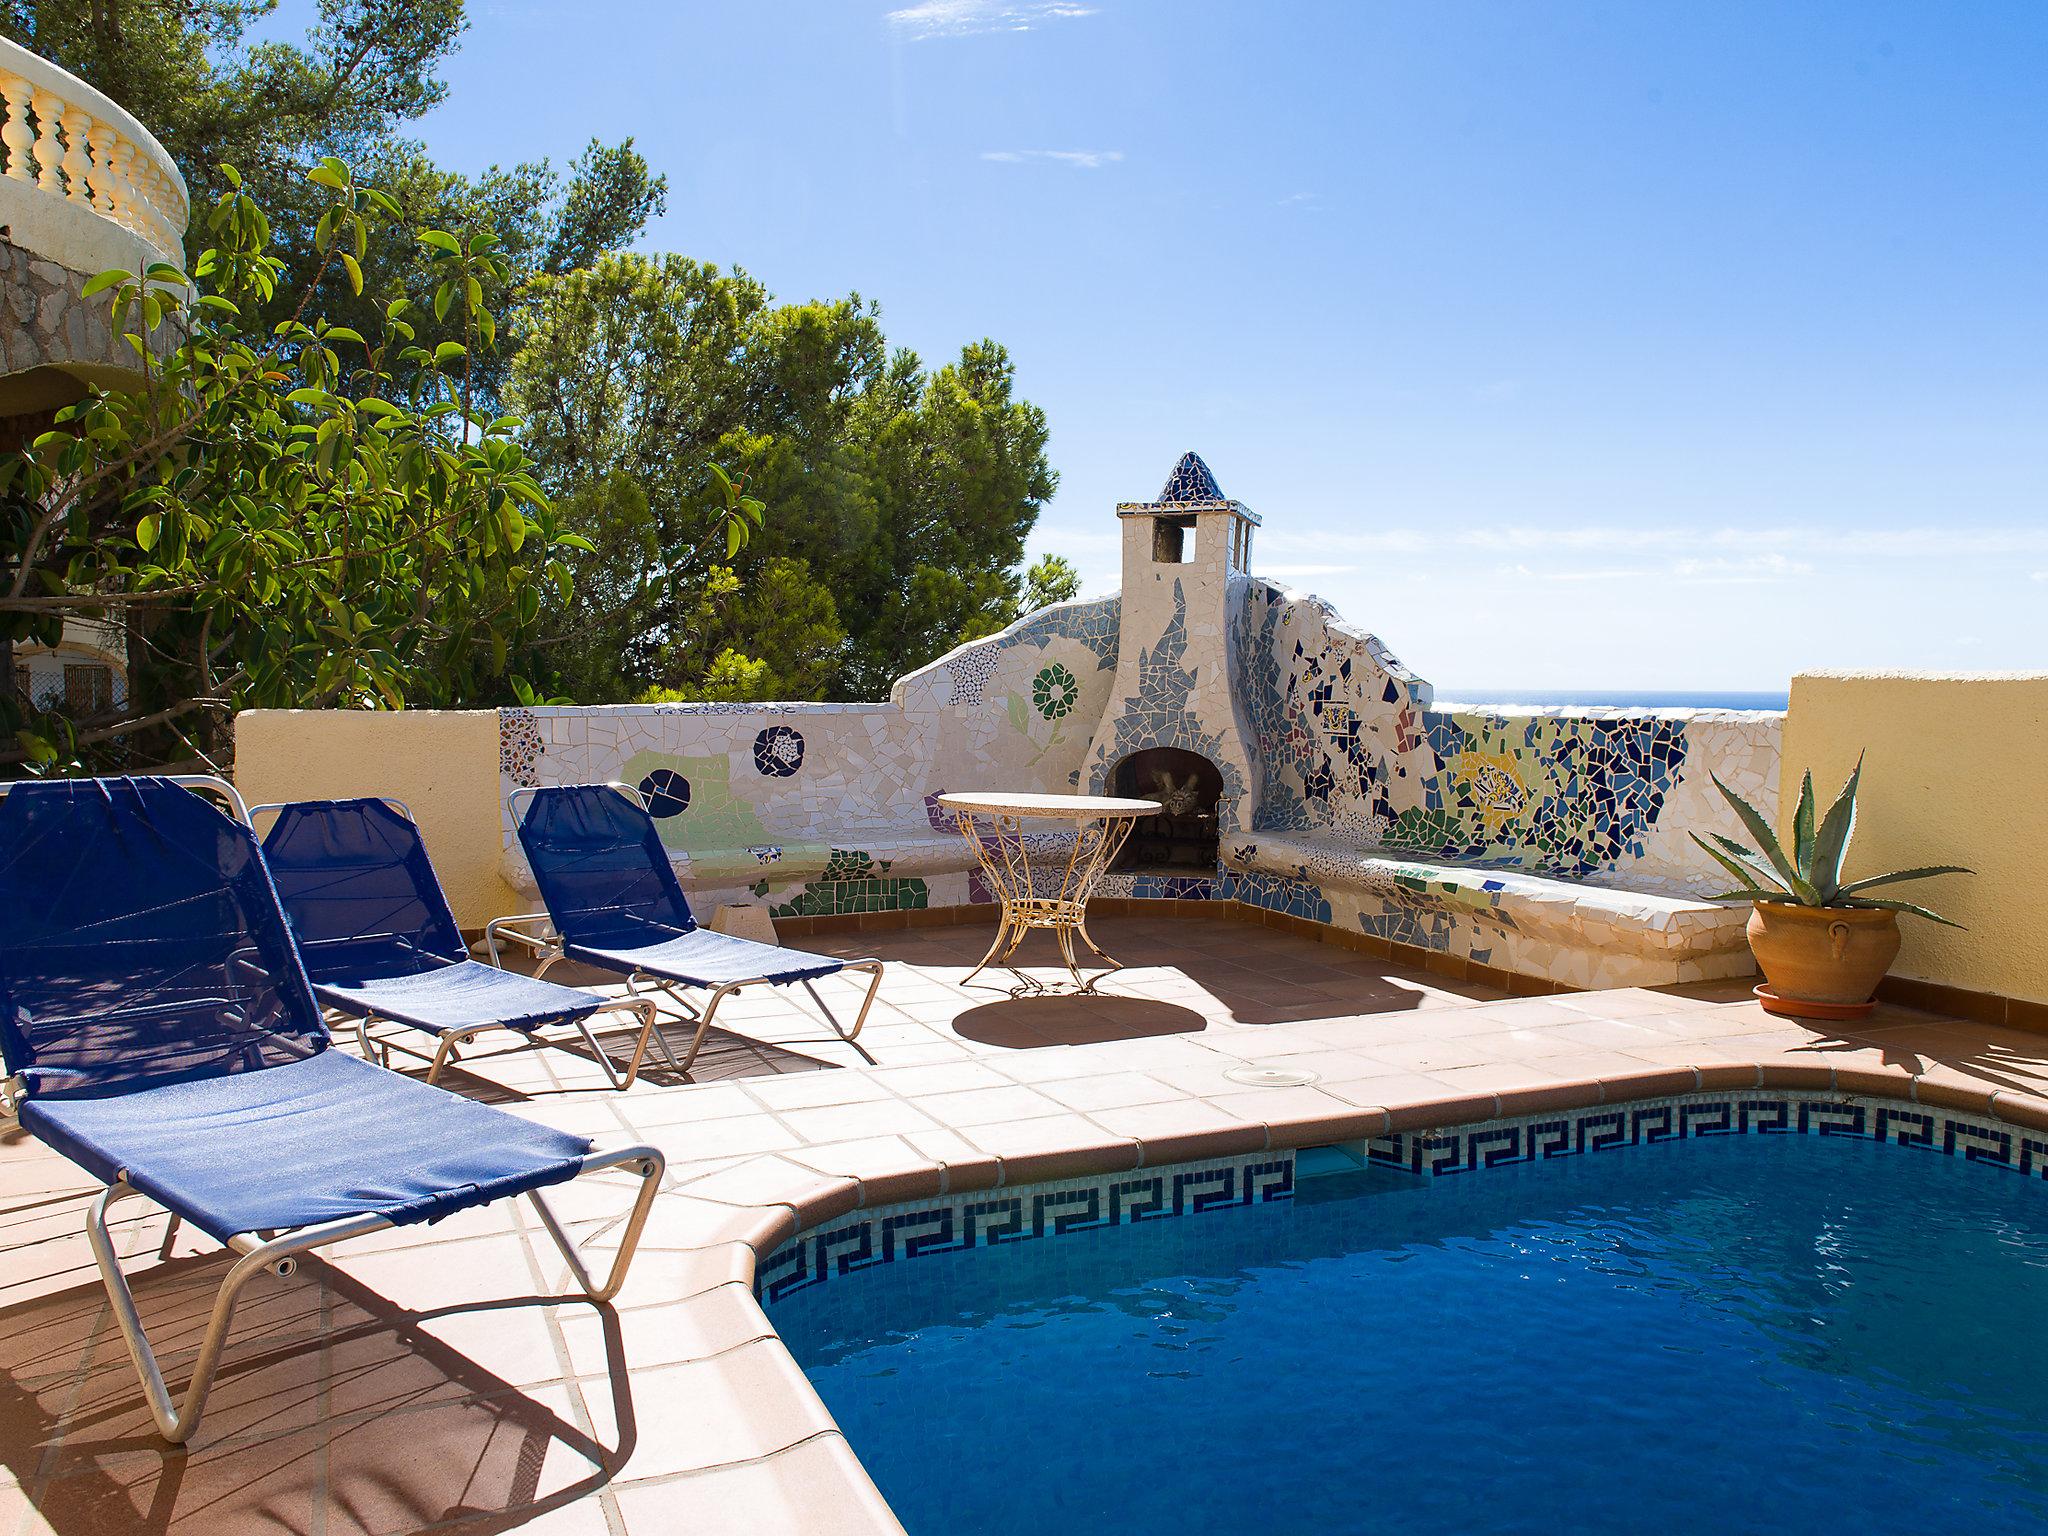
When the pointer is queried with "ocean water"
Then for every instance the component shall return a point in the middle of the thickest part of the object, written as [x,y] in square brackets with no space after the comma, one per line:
[1624,699]
[1757,1334]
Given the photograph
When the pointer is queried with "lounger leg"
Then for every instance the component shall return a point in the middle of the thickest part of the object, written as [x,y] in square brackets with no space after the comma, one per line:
[642,1006]
[173,1420]
[689,1013]
[649,1164]
[874,971]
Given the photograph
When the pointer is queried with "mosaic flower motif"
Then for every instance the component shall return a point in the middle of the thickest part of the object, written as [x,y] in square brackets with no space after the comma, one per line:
[1055,691]
[667,793]
[1494,786]
[779,751]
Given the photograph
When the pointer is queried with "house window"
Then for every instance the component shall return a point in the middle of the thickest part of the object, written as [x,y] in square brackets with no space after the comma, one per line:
[88,689]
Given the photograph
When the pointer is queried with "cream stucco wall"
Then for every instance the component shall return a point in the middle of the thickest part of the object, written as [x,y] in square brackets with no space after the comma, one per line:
[1956,772]
[442,763]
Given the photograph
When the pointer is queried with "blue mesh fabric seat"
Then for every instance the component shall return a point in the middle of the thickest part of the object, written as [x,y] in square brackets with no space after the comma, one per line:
[159,1029]
[381,942]
[613,902]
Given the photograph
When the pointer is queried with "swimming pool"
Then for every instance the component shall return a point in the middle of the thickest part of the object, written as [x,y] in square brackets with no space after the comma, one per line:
[1745,1333]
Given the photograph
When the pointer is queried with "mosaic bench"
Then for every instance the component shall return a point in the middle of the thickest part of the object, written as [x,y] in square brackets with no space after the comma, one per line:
[1573,932]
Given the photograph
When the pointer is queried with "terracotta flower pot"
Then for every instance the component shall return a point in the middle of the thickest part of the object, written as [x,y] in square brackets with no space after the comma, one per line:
[1832,957]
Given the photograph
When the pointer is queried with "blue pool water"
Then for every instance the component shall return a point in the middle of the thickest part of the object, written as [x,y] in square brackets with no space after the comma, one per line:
[1727,1335]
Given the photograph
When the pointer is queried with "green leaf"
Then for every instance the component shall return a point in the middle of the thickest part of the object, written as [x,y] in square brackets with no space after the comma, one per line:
[1742,873]
[1802,829]
[735,536]
[1749,893]
[1753,862]
[443,297]
[1760,832]
[113,277]
[1924,872]
[440,240]
[354,269]
[1874,904]
[146,531]
[330,172]
[164,272]
[1831,843]
[449,352]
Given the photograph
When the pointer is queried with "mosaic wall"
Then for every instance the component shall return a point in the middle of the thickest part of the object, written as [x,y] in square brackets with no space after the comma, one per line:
[1552,843]
[1543,841]
[829,808]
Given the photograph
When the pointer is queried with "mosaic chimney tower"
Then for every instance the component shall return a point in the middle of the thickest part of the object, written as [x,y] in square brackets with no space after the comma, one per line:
[1184,560]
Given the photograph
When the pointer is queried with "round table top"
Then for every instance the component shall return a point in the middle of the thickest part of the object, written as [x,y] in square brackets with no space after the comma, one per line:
[1065,807]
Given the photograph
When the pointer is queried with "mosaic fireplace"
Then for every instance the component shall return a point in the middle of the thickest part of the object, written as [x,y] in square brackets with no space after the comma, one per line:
[1183,837]
[1328,781]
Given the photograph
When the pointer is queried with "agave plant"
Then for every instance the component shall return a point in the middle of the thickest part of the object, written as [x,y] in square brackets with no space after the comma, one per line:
[1811,874]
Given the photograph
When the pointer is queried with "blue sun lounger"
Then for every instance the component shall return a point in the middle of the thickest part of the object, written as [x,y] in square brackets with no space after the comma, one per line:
[380,941]
[158,1030]
[613,902]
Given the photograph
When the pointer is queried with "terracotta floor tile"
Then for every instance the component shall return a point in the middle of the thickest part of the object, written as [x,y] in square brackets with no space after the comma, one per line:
[817,1488]
[845,1122]
[601,1342]
[809,1090]
[746,1403]
[1111,1090]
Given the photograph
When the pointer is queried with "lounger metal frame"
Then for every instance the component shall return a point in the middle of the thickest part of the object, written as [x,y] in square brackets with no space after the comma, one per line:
[536,931]
[279,1252]
[378,1048]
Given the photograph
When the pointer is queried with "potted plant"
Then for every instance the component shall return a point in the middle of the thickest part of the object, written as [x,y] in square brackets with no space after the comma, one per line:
[1822,943]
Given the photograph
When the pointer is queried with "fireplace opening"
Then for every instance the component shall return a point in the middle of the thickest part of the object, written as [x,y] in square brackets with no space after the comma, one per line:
[1182,838]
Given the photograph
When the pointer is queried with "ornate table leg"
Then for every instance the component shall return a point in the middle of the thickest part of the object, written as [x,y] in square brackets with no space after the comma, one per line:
[1041,896]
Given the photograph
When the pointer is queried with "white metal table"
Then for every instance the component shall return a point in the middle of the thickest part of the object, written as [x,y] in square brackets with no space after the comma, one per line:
[1045,882]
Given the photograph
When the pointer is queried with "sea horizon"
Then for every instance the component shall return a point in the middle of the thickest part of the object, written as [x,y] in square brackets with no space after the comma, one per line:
[1623,698]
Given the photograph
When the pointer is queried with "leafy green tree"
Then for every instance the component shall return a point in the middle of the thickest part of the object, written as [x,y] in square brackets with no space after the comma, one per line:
[901,495]
[188,70]
[318,518]
[1051,579]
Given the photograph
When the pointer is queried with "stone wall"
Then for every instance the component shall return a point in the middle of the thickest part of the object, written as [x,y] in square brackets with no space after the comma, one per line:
[45,323]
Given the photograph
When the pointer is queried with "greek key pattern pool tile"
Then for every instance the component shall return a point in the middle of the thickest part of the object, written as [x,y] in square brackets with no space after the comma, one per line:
[988,1218]
[1503,1143]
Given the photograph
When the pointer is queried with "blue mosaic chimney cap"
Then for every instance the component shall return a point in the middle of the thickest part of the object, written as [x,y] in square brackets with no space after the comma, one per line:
[1190,481]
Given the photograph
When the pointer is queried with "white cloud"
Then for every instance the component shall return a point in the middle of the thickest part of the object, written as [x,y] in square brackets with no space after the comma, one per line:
[964,18]
[1306,570]
[1079,159]
[2041,576]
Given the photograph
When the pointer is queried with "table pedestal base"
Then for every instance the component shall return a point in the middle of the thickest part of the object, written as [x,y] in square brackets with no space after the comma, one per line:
[1042,889]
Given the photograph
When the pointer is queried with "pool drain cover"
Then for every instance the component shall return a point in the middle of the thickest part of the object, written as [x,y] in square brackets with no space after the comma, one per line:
[1270,1077]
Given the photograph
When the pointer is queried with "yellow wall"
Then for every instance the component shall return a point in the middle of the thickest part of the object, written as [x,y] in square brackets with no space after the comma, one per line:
[442,763]
[1956,773]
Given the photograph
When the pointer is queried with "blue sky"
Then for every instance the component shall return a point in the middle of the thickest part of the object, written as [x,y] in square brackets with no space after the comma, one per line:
[1618,345]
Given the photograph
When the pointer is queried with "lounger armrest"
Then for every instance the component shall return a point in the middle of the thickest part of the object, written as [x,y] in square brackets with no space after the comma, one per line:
[536,930]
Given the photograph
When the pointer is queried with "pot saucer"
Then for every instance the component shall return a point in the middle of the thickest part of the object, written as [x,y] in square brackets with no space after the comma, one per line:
[1800,1008]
